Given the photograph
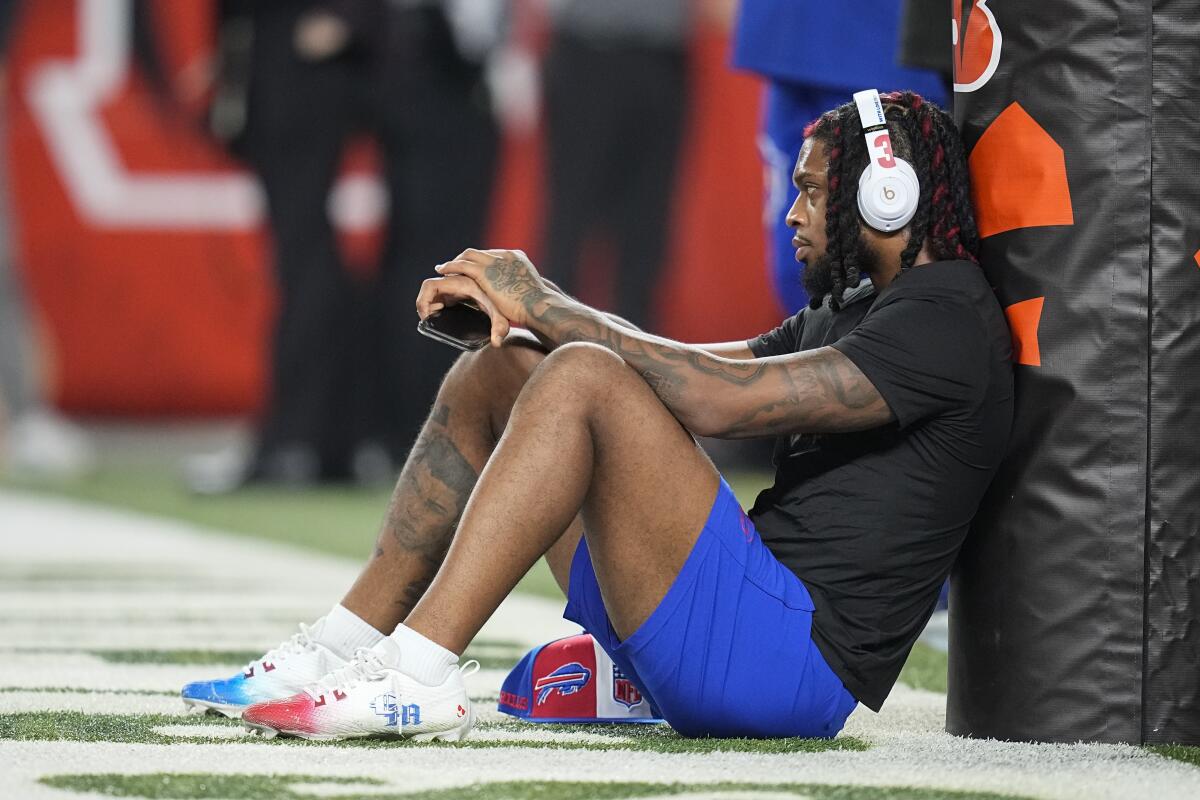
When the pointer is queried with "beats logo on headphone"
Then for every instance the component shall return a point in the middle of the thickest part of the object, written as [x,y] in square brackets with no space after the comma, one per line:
[888,190]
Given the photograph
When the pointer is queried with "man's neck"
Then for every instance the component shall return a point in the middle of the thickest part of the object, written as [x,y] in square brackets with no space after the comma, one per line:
[883,277]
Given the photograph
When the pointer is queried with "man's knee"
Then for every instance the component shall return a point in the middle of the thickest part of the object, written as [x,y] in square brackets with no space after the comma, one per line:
[583,376]
[491,378]
[586,367]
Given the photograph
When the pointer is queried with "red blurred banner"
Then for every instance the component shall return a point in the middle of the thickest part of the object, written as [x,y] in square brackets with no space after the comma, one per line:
[143,244]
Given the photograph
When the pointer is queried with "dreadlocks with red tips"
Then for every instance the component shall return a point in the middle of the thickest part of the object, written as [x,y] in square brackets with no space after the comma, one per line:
[925,136]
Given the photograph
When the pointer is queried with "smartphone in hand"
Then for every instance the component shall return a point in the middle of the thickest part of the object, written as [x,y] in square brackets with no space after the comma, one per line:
[462,325]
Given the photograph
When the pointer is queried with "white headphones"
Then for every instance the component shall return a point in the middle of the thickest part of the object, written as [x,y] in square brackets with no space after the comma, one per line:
[888,189]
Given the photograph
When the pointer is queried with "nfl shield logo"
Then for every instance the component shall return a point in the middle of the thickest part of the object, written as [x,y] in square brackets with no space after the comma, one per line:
[624,692]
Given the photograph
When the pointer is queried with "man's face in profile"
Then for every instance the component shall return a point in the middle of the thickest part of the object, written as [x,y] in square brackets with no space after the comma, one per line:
[806,217]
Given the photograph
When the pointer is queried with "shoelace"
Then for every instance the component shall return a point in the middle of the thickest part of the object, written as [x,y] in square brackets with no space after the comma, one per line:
[366,665]
[299,643]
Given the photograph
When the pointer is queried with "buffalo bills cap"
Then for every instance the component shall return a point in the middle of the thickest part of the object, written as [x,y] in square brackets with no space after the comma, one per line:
[573,680]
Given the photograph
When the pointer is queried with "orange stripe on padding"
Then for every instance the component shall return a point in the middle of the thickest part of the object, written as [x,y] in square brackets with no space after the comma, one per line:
[1197,257]
[1023,320]
[1018,176]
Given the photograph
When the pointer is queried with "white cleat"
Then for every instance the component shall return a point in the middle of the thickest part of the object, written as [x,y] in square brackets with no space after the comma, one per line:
[282,672]
[370,697]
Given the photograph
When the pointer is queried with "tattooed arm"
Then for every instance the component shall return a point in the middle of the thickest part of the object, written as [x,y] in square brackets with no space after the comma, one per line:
[814,391]
[811,392]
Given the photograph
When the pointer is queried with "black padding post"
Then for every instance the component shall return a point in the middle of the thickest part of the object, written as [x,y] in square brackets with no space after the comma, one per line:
[1075,607]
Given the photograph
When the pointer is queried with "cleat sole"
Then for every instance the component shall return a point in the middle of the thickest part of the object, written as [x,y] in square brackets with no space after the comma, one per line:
[453,735]
[261,731]
[206,707]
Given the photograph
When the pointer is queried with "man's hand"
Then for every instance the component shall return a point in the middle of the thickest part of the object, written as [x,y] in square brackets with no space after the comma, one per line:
[507,277]
[437,293]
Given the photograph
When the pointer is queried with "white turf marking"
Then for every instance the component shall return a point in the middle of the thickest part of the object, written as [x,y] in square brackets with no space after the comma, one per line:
[342,789]
[535,734]
[90,703]
[201,731]
[725,795]
[258,587]
[78,670]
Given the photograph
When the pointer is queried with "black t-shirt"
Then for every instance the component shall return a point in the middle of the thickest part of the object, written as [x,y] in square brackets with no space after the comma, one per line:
[872,521]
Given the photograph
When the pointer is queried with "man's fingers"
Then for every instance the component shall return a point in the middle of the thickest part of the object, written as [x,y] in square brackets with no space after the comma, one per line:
[460,266]
[500,329]
[437,293]
[500,326]
[425,298]
[474,255]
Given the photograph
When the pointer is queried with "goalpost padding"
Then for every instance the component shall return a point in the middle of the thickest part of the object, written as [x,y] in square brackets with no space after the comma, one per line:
[1075,608]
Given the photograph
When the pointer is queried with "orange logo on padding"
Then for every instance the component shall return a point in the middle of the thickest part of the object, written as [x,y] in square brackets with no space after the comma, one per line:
[1018,176]
[1024,319]
[977,40]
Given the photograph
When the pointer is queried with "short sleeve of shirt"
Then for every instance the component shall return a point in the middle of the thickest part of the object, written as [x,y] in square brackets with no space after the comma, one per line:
[925,355]
[782,341]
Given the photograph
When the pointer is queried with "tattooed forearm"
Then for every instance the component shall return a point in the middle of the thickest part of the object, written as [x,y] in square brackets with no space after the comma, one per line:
[814,391]
[824,392]
[809,392]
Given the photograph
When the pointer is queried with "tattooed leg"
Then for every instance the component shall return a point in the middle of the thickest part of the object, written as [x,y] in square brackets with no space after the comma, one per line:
[587,435]
[468,417]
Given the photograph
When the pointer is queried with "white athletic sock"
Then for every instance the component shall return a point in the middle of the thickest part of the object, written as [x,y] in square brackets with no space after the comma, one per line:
[422,658]
[343,632]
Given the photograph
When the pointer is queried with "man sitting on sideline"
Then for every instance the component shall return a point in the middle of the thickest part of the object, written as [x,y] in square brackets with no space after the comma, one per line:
[579,447]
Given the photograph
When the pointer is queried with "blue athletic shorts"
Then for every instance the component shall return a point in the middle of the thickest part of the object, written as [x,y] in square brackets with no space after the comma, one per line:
[729,650]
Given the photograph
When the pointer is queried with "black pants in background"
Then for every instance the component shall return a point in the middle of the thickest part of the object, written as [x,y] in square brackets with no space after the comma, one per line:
[347,365]
[614,117]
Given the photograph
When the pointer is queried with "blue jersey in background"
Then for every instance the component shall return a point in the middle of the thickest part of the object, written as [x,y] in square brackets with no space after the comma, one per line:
[814,55]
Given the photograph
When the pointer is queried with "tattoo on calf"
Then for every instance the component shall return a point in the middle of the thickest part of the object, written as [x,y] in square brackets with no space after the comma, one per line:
[429,499]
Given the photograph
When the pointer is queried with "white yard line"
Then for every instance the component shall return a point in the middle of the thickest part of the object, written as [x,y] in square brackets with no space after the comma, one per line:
[82,578]
[243,575]
[89,703]
[1077,773]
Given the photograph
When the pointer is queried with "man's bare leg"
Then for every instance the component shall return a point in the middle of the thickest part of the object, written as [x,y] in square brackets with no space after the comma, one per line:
[587,435]
[456,441]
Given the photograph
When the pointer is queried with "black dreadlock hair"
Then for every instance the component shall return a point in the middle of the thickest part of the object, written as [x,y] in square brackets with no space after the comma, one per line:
[924,136]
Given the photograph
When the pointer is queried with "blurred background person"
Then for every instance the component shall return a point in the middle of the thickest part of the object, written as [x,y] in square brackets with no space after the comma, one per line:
[615,89]
[349,383]
[34,439]
[814,56]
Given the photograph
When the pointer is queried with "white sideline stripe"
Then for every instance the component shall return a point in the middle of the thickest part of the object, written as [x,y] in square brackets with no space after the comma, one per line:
[85,671]
[135,636]
[501,737]
[89,703]
[205,731]
[1070,772]
[276,577]
[531,733]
